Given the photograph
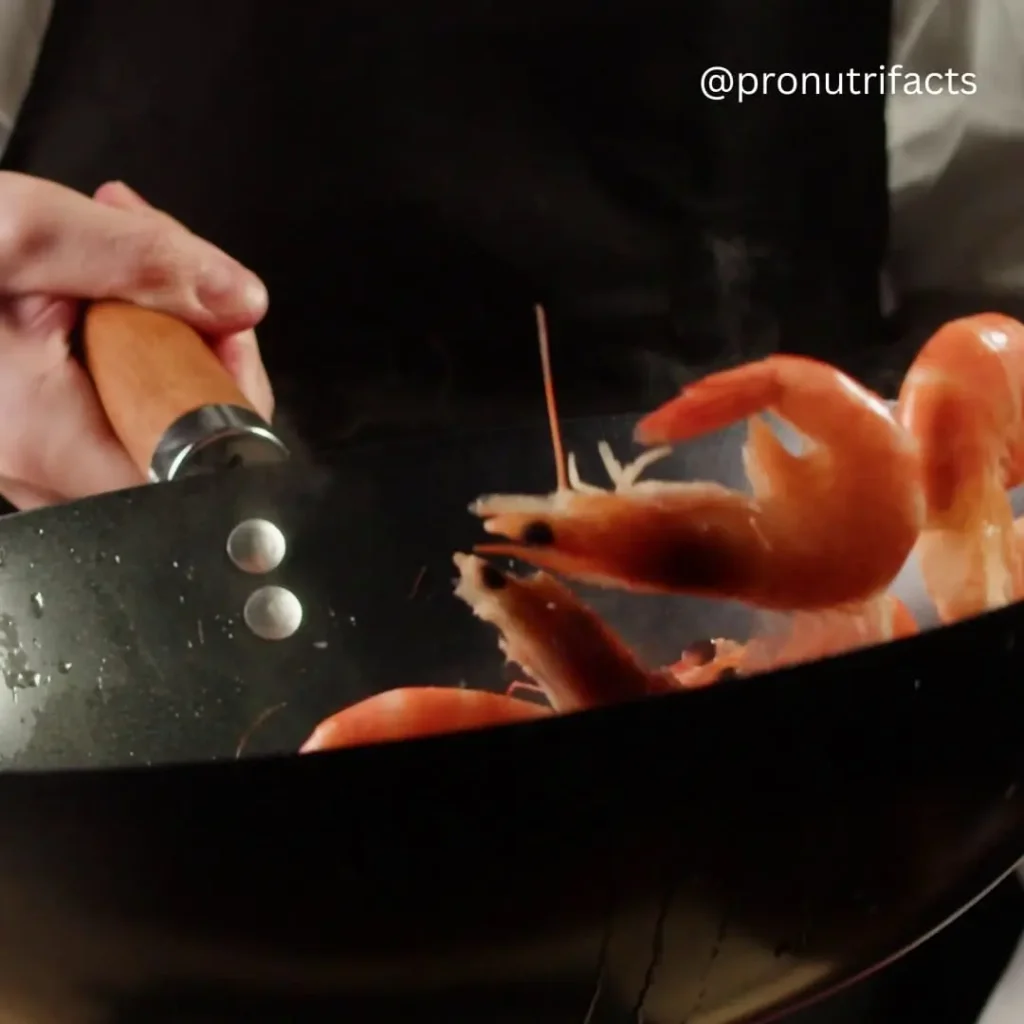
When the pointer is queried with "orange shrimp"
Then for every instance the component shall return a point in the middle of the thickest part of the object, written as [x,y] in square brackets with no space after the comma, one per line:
[418,711]
[575,659]
[963,400]
[830,526]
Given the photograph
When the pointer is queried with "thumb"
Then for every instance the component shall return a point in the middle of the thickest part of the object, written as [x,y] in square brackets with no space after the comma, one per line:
[55,241]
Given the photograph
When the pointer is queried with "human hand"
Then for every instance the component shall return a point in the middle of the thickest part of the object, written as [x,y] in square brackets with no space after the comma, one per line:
[58,247]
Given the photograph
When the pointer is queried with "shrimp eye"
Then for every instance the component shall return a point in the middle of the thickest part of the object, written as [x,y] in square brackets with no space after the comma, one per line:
[538,534]
[703,650]
[491,578]
[727,674]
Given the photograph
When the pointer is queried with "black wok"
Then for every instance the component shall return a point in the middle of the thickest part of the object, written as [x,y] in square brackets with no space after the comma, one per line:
[717,856]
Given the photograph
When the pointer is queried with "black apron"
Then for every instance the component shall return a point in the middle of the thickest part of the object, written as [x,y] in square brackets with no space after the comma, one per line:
[408,183]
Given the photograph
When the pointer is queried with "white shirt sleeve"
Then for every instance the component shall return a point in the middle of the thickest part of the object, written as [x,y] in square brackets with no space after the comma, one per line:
[955,159]
[22,27]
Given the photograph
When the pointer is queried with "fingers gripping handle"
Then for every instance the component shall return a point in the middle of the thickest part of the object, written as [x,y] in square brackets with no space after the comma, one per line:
[168,398]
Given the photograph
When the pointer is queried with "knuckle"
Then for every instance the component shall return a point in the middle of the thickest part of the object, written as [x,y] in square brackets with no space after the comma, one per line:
[153,263]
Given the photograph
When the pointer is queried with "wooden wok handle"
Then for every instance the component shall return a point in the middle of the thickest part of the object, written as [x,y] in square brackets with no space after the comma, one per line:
[151,370]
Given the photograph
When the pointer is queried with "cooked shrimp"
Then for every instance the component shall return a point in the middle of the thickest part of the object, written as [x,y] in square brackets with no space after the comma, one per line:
[829,526]
[576,660]
[963,400]
[418,711]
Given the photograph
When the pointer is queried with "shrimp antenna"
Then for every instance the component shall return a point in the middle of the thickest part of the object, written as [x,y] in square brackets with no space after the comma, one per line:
[561,475]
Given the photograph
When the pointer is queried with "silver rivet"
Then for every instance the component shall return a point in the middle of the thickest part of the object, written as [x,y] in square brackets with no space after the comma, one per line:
[273,613]
[256,546]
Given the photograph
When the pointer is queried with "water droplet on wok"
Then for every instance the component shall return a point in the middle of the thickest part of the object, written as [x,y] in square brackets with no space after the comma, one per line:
[36,600]
[40,531]
[64,667]
[117,559]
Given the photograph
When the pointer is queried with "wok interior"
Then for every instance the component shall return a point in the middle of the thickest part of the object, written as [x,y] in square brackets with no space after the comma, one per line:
[142,658]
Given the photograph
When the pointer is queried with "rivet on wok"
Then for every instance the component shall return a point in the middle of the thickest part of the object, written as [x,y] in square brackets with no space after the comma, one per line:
[273,613]
[256,546]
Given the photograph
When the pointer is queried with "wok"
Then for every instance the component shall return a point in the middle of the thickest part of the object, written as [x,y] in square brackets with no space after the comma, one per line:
[718,856]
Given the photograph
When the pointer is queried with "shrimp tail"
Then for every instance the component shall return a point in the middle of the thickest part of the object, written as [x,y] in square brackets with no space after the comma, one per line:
[713,403]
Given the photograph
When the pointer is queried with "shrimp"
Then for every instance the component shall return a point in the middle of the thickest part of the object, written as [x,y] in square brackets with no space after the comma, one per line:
[413,711]
[963,400]
[574,658]
[829,527]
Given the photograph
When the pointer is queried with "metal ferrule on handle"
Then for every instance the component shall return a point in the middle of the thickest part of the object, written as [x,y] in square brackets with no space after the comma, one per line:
[212,438]
[171,403]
